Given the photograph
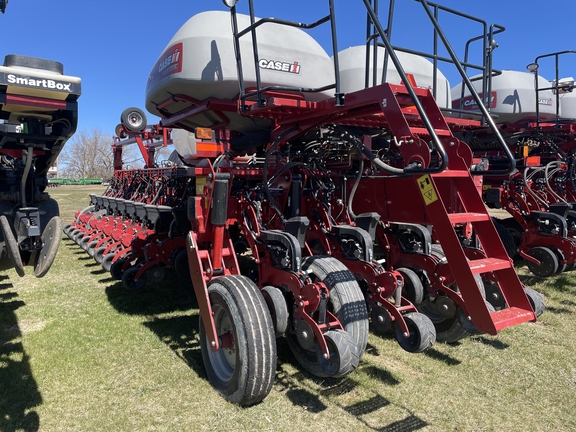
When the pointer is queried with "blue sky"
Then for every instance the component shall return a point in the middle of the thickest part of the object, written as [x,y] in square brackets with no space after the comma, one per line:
[113,44]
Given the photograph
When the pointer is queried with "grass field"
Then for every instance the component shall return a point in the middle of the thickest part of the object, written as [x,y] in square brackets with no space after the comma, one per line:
[78,352]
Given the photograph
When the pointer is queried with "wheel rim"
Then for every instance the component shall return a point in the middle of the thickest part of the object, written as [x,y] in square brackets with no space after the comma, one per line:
[223,360]
[548,262]
[51,240]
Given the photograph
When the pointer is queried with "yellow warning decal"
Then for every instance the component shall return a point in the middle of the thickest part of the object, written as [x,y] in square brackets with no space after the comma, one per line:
[427,189]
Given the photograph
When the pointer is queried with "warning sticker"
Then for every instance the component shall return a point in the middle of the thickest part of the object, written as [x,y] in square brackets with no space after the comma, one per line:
[427,189]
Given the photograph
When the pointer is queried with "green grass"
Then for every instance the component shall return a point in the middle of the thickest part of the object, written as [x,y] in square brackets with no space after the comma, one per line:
[78,352]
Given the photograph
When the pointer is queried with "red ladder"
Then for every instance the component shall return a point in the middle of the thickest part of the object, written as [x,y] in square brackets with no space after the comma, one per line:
[450,198]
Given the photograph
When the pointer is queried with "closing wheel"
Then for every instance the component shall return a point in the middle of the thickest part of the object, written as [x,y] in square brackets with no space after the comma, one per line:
[536,301]
[134,119]
[156,274]
[84,242]
[107,261]
[99,254]
[560,257]
[278,310]
[443,311]
[343,354]
[467,323]
[413,291]
[50,241]
[346,302]
[517,233]
[90,248]
[244,367]
[506,237]
[181,266]
[11,245]
[130,283]
[422,333]
[548,262]
[494,295]
[381,319]
[116,269]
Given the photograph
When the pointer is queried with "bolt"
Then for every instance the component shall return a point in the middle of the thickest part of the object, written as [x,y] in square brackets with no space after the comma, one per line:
[326,356]
[301,304]
[405,334]
[213,343]
[304,334]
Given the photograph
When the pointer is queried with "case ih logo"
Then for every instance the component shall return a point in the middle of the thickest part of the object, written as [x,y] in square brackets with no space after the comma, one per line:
[279,66]
[542,101]
[469,103]
[170,63]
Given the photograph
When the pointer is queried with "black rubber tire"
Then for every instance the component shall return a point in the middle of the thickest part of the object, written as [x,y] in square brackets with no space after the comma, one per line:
[413,290]
[560,257]
[494,295]
[548,262]
[278,309]
[90,249]
[467,324]
[84,243]
[536,301]
[11,246]
[181,266]
[51,237]
[422,333]
[130,283]
[99,254]
[346,303]
[517,233]
[134,119]
[116,269]
[156,274]
[244,375]
[120,132]
[107,261]
[449,330]
[506,237]
[343,354]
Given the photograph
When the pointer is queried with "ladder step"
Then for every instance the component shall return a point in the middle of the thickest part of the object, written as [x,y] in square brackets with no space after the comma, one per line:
[452,173]
[511,316]
[424,131]
[487,265]
[456,218]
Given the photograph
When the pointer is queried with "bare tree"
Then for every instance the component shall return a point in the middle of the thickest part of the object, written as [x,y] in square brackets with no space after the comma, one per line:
[89,155]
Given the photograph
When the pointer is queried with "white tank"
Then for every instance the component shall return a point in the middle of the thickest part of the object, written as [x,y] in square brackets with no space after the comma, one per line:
[567,99]
[513,97]
[199,62]
[353,64]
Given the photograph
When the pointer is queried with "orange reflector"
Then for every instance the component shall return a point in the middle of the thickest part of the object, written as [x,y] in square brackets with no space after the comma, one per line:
[411,79]
[203,133]
[532,161]
[525,151]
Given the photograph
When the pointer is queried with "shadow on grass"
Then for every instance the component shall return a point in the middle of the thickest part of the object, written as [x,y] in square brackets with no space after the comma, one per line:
[445,358]
[181,335]
[170,295]
[558,311]
[381,375]
[494,343]
[561,283]
[19,392]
